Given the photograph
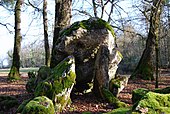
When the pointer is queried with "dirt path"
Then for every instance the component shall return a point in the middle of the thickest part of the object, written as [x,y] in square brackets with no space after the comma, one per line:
[80,103]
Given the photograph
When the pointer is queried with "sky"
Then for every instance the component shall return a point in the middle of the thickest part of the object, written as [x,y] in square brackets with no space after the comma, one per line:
[35,31]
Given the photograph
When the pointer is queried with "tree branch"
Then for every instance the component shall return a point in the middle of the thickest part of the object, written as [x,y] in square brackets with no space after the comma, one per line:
[6,25]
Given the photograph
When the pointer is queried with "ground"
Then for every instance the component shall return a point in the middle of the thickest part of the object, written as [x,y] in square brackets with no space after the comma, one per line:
[81,103]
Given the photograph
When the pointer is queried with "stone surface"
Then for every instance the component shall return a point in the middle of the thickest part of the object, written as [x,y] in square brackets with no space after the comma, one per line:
[83,40]
[59,84]
[116,85]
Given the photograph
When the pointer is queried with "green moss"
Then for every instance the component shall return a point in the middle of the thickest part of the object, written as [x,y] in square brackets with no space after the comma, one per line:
[120,55]
[57,86]
[22,105]
[120,111]
[31,85]
[155,102]
[114,83]
[39,105]
[137,94]
[112,99]
[89,24]
[163,91]
[44,72]
[13,74]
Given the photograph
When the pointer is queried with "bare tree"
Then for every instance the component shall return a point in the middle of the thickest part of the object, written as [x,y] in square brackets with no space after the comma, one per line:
[145,67]
[46,42]
[14,71]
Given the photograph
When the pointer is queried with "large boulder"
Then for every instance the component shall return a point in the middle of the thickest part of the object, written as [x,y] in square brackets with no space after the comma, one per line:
[58,85]
[137,94]
[154,103]
[92,43]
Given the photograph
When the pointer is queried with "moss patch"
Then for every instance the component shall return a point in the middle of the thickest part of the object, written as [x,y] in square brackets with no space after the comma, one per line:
[155,103]
[92,23]
[59,84]
[13,74]
[120,111]
[137,94]
[39,105]
[112,99]
[22,105]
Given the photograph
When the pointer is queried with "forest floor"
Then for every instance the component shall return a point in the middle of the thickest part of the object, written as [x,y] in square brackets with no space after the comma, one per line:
[80,103]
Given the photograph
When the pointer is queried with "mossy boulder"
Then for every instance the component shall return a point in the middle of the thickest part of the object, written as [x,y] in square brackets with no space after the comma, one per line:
[116,85]
[83,40]
[39,105]
[163,90]
[7,102]
[154,103]
[137,94]
[59,84]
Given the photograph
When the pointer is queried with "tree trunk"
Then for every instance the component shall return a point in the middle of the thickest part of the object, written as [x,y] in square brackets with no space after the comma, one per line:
[14,71]
[62,20]
[46,43]
[145,67]
[168,39]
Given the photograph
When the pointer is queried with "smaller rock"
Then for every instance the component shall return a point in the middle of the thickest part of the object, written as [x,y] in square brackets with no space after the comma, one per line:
[137,94]
[39,105]
[117,84]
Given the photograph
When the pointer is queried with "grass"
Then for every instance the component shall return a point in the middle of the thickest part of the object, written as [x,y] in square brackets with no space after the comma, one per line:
[24,70]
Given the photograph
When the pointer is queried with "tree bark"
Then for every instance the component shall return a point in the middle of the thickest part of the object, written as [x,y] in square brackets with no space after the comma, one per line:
[62,20]
[145,67]
[46,43]
[14,71]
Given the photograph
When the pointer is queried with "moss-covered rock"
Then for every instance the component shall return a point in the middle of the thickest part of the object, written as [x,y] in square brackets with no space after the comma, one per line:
[90,24]
[112,99]
[39,105]
[59,84]
[163,90]
[22,105]
[154,103]
[137,94]
[35,78]
[116,85]
[83,40]
[7,102]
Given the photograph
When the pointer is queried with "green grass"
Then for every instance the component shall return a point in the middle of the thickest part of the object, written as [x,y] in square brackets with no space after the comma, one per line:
[24,70]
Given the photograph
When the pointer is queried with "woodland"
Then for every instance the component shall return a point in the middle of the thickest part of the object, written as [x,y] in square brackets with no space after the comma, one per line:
[140,29]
